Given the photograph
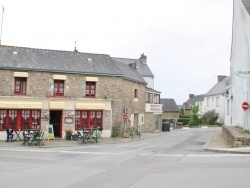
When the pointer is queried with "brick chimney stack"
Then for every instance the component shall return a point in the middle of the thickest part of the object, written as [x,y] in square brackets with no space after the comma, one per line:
[220,78]
[191,95]
[143,58]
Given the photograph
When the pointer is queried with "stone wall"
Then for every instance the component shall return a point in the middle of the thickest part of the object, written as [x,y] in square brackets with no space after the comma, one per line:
[170,115]
[235,136]
[148,126]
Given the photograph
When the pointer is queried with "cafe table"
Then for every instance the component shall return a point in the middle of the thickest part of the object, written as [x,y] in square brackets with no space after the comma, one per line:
[17,132]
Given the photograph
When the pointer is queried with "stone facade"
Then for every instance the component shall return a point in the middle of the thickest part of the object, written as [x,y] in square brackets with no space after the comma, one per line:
[170,115]
[115,92]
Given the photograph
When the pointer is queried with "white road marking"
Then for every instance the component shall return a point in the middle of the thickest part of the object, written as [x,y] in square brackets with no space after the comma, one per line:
[123,153]
[131,145]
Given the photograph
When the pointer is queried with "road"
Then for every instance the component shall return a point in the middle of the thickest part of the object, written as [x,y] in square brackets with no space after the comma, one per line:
[175,159]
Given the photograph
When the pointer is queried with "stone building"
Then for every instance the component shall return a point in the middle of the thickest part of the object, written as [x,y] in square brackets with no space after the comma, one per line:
[170,109]
[68,90]
[151,121]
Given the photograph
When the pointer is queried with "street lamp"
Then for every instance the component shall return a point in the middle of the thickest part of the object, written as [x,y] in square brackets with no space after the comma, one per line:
[228,95]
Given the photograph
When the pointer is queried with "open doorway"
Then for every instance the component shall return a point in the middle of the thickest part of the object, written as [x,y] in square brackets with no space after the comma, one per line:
[56,121]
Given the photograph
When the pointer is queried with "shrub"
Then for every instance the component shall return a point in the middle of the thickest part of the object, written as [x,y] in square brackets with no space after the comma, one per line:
[116,129]
[210,117]
[185,121]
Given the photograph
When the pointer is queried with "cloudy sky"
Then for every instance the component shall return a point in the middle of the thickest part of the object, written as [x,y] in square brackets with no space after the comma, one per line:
[187,42]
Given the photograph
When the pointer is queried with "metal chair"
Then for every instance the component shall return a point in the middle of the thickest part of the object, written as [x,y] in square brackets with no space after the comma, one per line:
[100,133]
[26,139]
[38,138]
[80,138]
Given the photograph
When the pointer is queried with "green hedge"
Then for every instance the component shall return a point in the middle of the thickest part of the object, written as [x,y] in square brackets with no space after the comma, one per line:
[185,121]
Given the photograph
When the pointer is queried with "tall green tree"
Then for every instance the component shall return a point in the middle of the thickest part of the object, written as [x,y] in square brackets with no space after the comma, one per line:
[194,118]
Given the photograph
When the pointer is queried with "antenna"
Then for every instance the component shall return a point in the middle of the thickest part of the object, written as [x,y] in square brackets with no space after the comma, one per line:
[1,26]
[75,48]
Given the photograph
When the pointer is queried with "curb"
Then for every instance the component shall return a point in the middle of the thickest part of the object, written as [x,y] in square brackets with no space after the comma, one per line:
[223,150]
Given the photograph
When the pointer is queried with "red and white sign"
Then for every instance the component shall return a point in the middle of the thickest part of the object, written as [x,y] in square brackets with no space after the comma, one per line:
[245,105]
[125,116]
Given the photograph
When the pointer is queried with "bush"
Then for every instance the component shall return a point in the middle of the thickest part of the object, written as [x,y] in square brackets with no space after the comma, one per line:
[210,117]
[168,120]
[185,121]
[115,131]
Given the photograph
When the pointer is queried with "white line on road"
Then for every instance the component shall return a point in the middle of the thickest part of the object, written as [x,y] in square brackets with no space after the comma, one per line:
[145,154]
[132,145]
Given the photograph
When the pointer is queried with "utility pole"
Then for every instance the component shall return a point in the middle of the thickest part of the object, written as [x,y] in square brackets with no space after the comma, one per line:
[1,26]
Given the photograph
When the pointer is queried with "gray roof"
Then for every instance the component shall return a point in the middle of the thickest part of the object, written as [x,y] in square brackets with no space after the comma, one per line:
[20,58]
[192,100]
[143,69]
[246,4]
[218,88]
[169,105]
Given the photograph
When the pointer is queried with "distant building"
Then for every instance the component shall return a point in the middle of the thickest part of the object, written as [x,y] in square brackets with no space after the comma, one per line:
[169,108]
[193,100]
[215,98]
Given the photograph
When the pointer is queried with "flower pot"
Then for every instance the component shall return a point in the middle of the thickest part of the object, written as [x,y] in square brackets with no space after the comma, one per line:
[68,137]
[125,134]
[75,137]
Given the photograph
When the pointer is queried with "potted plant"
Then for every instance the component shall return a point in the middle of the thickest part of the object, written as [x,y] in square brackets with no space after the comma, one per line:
[126,133]
[68,134]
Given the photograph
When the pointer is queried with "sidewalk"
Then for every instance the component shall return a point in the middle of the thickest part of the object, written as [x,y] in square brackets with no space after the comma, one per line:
[70,143]
[217,143]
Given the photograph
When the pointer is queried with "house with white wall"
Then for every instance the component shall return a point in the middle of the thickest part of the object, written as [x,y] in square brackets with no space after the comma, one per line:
[239,89]
[215,98]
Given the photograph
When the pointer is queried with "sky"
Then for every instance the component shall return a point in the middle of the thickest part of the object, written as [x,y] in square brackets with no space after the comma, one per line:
[187,42]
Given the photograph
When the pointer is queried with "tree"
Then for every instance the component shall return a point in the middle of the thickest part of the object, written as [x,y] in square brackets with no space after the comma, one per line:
[194,118]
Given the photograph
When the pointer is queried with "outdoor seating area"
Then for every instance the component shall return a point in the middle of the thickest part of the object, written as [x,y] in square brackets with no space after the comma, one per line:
[33,137]
[91,135]
[27,137]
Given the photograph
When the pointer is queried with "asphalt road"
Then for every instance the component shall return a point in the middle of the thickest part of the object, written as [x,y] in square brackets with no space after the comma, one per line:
[175,159]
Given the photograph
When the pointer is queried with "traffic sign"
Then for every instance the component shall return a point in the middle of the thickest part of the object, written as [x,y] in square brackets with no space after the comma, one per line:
[125,116]
[245,105]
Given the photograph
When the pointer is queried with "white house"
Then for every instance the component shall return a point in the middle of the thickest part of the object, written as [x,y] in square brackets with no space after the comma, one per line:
[240,66]
[215,98]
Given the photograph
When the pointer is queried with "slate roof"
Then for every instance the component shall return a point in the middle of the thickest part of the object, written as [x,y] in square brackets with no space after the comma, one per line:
[31,59]
[143,69]
[191,101]
[218,88]
[169,105]
[246,4]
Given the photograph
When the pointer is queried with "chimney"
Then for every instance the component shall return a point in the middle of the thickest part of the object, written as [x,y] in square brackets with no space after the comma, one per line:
[220,78]
[191,95]
[143,58]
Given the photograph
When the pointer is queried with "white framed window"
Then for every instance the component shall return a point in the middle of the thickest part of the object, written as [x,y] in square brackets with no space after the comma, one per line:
[208,102]
[217,101]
